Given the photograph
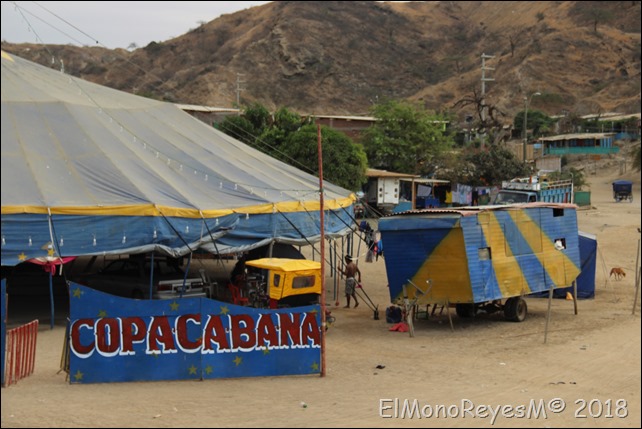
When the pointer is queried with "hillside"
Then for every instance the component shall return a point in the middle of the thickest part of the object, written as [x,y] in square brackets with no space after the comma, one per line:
[341,57]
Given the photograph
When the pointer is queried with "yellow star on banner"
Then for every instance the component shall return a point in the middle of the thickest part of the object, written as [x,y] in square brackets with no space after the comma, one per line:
[174,306]
[50,252]
[192,370]
[238,360]
[315,366]
[78,375]
[209,369]
[77,292]
[22,257]
[102,313]
[224,309]
[315,311]
[266,351]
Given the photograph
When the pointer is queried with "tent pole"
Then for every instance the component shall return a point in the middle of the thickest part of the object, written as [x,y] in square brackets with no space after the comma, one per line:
[151,278]
[638,274]
[575,296]
[51,297]
[548,313]
[322,244]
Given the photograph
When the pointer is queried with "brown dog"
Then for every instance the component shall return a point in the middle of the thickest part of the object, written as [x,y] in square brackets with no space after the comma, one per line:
[618,273]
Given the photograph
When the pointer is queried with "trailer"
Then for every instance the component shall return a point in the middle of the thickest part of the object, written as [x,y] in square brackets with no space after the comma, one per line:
[481,258]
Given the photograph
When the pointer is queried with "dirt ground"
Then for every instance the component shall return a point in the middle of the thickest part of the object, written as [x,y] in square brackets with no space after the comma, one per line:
[587,374]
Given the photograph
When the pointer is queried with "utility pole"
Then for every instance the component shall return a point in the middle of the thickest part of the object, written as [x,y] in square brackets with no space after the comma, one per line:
[485,79]
[239,89]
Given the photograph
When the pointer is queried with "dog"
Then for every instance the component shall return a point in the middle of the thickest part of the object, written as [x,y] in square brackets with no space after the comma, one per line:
[618,273]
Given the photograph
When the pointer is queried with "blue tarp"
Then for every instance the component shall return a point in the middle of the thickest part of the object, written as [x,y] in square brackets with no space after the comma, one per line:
[586,279]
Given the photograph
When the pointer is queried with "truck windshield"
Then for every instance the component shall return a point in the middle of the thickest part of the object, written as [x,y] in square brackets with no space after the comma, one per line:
[509,197]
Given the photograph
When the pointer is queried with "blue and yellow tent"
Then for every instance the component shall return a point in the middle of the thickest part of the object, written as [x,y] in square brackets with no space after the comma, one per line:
[88,170]
[479,254]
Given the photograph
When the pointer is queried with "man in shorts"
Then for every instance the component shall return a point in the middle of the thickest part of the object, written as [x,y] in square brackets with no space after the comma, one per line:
[351,272]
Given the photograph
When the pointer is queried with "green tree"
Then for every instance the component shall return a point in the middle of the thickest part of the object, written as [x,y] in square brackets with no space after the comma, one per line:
[259,116]
[537,120]
[488,166]
[344,162]
[239,128]
[293,139]
[596,14]
[249,125]
[571,173]
[405,138]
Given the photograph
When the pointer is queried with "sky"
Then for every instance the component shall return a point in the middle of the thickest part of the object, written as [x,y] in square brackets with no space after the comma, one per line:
[111,24]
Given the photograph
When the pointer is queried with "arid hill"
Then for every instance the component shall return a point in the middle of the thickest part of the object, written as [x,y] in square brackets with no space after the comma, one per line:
[341,57]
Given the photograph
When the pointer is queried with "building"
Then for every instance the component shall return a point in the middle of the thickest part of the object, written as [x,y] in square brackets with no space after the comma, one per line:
[579,144]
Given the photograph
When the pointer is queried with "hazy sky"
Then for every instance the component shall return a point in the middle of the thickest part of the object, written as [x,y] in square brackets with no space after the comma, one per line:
[113,24]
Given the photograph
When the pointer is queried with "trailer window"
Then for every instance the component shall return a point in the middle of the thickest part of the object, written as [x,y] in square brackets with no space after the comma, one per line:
[276,280]
[484,254]
[558,212]
[302,282]
[560,243]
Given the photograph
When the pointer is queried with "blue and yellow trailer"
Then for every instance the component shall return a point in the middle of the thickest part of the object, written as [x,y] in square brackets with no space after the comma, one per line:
[475,257]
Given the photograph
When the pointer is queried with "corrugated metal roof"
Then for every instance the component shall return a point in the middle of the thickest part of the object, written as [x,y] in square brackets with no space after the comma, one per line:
[197,108]
[620,117]
[473,210]
[373,172]
[575,136]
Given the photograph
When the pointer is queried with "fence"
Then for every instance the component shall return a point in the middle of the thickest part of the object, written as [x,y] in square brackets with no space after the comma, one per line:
[21,352]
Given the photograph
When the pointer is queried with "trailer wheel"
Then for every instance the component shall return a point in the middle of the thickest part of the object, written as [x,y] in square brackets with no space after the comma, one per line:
[465,311]
[515,309]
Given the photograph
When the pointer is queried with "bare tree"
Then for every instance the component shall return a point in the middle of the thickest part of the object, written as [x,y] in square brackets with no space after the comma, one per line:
[487,114]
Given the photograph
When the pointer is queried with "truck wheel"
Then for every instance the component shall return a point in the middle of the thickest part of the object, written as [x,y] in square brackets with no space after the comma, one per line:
[465,311]
[515,309]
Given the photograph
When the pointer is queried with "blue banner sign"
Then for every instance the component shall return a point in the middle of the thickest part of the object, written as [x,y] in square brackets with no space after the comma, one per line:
[113,339]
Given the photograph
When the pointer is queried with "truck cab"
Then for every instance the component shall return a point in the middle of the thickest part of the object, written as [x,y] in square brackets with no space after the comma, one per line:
[535,189]
[515,197]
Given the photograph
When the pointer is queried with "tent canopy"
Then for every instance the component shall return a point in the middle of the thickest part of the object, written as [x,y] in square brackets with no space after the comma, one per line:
[88,170]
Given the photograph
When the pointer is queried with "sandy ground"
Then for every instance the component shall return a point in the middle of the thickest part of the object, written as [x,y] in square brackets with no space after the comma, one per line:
[586,375]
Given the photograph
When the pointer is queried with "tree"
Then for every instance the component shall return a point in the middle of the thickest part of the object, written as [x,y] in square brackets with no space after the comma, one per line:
[405,138]
[259,116]
[249,126]
[571,173]
[292,139]
[489,166]
[597,15]
[239,128]
[537,120]
[487,114]
[344,162]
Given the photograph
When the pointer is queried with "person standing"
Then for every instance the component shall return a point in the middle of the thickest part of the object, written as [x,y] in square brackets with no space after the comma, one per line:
[351,272]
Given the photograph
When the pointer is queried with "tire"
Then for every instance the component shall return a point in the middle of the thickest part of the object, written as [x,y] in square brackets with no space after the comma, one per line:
[465,311]
[515,309]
